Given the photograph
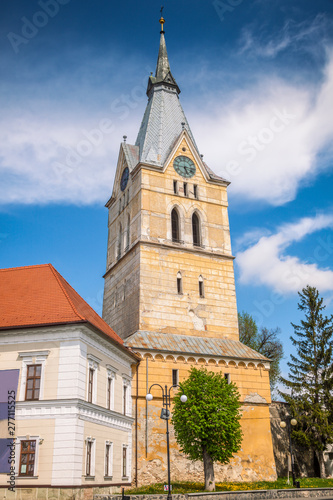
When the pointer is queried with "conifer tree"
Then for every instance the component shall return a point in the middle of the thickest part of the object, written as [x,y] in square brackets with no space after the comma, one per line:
[310,382]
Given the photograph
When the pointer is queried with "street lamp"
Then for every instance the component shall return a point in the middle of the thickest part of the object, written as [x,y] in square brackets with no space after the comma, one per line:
[165,415]
[290,422]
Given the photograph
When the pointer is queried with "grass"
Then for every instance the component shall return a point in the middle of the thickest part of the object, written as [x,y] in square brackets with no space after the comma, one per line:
[184,487]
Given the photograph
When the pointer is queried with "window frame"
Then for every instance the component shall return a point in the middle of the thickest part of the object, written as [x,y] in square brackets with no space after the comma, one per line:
[31,358]
[201,287]
[196,230]
[175,377]
[124,464]
[179,283]
[175,226]
[90,458]
[108,460]
[34,378]
[34,454]
[93,365]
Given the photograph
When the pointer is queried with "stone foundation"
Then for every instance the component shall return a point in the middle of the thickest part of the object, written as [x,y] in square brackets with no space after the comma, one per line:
[58,493]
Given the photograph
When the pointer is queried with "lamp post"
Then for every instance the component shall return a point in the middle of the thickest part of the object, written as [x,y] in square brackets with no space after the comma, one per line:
[290,422]
[165,415]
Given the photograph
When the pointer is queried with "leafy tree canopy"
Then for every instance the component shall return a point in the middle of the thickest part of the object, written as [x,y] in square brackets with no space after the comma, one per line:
[310,379]
[207,426]
[265,341]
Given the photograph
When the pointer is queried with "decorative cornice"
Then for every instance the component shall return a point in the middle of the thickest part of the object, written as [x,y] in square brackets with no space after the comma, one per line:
[201,359]
[77,408]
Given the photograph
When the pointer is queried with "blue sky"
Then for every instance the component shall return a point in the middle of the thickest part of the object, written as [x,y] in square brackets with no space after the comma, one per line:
[257,89]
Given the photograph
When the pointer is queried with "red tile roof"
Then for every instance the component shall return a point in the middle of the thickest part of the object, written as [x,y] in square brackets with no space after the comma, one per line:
[39,295]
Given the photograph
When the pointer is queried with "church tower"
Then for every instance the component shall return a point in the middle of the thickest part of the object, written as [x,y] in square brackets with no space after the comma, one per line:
[169,283]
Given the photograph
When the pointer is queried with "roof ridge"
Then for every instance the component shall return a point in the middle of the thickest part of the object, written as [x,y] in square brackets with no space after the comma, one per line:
[57,275]
[33,266]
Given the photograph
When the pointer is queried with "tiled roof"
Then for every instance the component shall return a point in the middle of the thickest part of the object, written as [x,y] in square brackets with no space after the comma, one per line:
[166,342]
[39,295]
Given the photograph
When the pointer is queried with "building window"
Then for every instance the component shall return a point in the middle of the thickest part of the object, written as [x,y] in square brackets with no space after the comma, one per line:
[175,225]
[89,453]
[124,461]
[227,377]
[120,233]
[174,377]
[128,233]
[27,458]
[33,382]
[179,283]
[109,393]
[195,191]
[125,399]
[175,187]
[196,230]
[185,189]
[33,390]
[91,385]
[120,205]
[201,287]
[93,363]
[108,459]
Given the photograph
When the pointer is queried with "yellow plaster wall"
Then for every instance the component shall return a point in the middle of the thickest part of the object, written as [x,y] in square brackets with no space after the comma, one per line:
[164,310]
[254,461]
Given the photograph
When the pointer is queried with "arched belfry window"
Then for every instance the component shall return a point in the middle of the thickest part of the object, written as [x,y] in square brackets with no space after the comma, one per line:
[175,225]
[201,287]
[196,230]
[179,283]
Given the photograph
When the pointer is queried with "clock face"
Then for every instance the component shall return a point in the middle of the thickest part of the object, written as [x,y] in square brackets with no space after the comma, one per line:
[124,179]
[184,166]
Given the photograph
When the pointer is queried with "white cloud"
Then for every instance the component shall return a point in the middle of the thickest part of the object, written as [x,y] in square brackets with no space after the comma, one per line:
[267,138]
[266,262]
[295,36]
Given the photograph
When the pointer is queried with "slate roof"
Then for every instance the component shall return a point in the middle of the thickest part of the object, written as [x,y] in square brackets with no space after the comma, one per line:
[164,118]
[166,342]
[131,154]
[161,126]
[39,296]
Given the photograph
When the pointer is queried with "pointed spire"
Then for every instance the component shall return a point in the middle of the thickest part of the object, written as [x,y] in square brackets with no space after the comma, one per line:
[162,73]
[163,66]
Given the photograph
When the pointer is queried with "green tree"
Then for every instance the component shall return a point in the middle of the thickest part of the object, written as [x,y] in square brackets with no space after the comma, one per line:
[264,341]
[310,382]
[207,426]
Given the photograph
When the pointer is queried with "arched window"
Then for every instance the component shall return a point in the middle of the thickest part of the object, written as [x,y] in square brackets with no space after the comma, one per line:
[120,233]
[201,287]
[175,225]
[179,283]
[128,232]
[196,230]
